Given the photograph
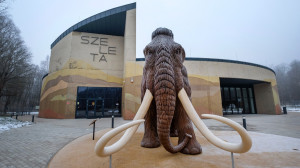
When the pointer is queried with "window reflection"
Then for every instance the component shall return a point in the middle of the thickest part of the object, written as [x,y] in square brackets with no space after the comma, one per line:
[94,102]
[238,100]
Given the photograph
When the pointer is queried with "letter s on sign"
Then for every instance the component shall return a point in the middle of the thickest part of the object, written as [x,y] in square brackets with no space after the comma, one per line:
[85,40]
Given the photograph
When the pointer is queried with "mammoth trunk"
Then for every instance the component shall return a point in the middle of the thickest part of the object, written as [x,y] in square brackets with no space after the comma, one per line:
[165,98]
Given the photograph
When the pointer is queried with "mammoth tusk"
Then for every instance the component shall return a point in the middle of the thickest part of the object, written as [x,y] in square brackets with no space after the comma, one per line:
[100,148]
[243,147]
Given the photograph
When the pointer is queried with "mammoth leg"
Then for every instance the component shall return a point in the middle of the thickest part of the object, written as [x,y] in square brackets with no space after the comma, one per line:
[185,126]
[150,139]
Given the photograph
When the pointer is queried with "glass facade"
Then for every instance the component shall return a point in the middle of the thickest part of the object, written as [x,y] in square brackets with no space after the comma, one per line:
[96,102]
[238,100]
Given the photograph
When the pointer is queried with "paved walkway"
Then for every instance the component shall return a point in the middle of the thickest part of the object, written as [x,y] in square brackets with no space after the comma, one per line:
[33,146]
[285,125]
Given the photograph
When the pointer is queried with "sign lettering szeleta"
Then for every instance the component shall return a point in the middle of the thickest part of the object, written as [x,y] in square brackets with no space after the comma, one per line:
[104,48]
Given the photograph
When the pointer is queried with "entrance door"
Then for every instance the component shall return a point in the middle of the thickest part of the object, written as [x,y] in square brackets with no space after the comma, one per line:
[97,102]
[238,100]
[99,111]
[90,109]
[94,108]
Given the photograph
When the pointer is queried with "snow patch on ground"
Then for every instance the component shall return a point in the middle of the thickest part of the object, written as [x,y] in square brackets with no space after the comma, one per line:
[25,112]
[7,123]
[291,108]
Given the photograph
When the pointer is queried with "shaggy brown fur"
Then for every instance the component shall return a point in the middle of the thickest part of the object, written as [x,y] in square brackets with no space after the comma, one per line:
[164,75]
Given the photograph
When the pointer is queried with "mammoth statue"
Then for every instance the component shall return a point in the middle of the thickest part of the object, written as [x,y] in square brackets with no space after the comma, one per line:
[164,76]
[171,112]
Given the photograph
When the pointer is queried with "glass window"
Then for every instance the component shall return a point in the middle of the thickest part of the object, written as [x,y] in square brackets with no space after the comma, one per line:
[232,93]
[238,92]
[82,92]
[99,93]
[245,98]
[110,92]
[98,101]
[118,92]
[99,105]
[92,92]
[91,105]
[250,92]
[252,105]
[237,100]
[245,95]
[108,104]
[226,93]
[81,104]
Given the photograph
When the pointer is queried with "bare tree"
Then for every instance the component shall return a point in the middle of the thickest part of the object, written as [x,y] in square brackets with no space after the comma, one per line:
[3,6]
[44,66]
[293,76]
[20,80]
[288,81]
[282,82]
[15,63]
[14,56]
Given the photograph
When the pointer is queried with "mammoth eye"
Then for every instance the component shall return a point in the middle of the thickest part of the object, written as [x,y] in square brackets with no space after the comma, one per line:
[148,52]
[178,51]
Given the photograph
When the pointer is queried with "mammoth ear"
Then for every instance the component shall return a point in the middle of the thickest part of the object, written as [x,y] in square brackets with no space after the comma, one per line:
[143,84]
[183,55]
[144,51]
[147,51]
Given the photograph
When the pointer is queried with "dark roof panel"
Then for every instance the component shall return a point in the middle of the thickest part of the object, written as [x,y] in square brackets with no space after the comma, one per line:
[110,22]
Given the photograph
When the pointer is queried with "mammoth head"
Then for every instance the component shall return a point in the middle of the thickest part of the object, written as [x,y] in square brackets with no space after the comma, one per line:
[163,60]
[163,41]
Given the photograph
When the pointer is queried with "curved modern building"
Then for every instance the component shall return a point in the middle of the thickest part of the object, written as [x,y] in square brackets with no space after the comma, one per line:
[94,72]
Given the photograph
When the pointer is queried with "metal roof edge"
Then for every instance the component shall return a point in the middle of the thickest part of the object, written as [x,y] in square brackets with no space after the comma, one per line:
[220,60]
[93,18]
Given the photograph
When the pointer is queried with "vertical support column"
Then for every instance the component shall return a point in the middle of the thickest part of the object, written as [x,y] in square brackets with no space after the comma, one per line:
[264,98]
[128,107]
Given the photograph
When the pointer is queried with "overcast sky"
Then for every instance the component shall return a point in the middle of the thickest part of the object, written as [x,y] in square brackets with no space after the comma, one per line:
[264,32]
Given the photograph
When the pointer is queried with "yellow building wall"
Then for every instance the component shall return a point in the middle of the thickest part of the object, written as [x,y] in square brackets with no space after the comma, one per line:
[80,59]
[204,78]
[209,69]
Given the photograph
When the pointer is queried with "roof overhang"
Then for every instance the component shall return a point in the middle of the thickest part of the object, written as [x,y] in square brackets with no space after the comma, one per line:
[110,22]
